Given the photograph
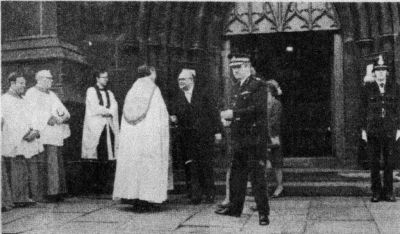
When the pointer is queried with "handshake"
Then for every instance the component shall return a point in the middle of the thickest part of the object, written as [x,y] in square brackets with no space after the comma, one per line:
[226,117]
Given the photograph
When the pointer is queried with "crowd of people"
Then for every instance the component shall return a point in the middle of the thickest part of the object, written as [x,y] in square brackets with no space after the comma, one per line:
[35,125]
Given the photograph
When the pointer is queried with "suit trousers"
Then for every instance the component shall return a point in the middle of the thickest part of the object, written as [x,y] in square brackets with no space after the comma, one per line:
[198,155]
[377,144]
[241,168]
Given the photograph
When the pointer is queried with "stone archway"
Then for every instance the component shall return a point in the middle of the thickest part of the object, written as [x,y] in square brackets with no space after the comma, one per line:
[266,18]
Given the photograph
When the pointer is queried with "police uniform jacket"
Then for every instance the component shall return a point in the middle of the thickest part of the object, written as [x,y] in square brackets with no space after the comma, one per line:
[380,112]
[249,123]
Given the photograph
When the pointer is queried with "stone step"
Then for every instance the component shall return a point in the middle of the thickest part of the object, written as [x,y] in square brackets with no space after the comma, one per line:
[309,182]
[357,188]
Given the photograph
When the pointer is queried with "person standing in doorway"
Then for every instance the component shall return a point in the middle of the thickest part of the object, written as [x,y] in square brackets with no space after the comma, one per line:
[100,128]
[274,133]
[248,118]
[381,128]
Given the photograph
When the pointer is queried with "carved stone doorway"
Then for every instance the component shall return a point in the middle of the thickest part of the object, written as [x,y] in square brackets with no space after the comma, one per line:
[297,44]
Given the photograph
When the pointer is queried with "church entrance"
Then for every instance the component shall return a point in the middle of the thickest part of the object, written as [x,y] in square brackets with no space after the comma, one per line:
[302,63]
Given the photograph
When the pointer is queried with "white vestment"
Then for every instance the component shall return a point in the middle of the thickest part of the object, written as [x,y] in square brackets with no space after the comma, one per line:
[95,122]
[143,153]
[16,122]
[44,105]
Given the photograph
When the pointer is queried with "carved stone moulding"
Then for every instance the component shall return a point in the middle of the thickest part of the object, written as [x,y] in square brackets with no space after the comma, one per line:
[272,17]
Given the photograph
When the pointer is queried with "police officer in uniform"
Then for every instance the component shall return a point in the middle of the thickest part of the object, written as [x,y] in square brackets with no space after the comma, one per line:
[248,120]
[380,128]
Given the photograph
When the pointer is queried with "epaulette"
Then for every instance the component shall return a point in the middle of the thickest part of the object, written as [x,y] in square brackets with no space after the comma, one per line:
[260,80]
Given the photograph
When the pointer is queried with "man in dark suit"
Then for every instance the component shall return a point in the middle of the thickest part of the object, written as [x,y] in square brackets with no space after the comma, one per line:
[196,114]
[248,120]
[380,128]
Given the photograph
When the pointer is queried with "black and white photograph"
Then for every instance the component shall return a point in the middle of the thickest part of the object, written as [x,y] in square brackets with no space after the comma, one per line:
[205,117]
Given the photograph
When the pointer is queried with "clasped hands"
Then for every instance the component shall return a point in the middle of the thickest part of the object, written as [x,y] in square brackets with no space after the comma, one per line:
[31,135]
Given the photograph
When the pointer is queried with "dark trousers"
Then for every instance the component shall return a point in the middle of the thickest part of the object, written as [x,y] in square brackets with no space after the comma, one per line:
[241,168]
[103,172]
[198,154]
[377,144]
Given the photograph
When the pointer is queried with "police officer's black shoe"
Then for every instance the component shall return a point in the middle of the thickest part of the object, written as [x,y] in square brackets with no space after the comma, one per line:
[375,198]
[263,220]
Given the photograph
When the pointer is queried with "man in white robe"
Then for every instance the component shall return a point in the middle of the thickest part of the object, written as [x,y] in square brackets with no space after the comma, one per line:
[20,142]
[100,128]
[143,153]
[50,117]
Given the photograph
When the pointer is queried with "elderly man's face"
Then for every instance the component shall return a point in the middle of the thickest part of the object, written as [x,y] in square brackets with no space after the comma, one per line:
[19,85]
[185,83]
[241,71]
[381,75]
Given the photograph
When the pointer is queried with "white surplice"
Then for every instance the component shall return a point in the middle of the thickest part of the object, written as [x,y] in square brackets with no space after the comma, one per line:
[44,105]
[143,153]
[16,122]
[94,124]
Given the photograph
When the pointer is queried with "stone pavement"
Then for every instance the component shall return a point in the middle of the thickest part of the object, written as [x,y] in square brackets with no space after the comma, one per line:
[288,215]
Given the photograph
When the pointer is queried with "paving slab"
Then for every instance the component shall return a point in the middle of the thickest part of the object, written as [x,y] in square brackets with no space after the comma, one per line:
[337,202]
[81,228]
[167,219]
[17,213]
[339,213]
[207,217]
[207,230]
[341,227]
[388,222]
[278,224]
[81,206]
[116,213]
[39,221]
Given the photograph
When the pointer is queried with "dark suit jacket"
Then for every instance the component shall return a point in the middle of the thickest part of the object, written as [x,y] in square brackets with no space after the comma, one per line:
[200,115]
[374,103]
[249,104]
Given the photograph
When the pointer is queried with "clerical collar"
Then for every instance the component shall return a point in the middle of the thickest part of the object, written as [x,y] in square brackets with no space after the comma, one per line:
[102,89]
[14,94]
[41,89]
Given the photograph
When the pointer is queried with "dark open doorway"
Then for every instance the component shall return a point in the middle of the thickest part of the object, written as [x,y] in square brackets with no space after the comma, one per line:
[302,63]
